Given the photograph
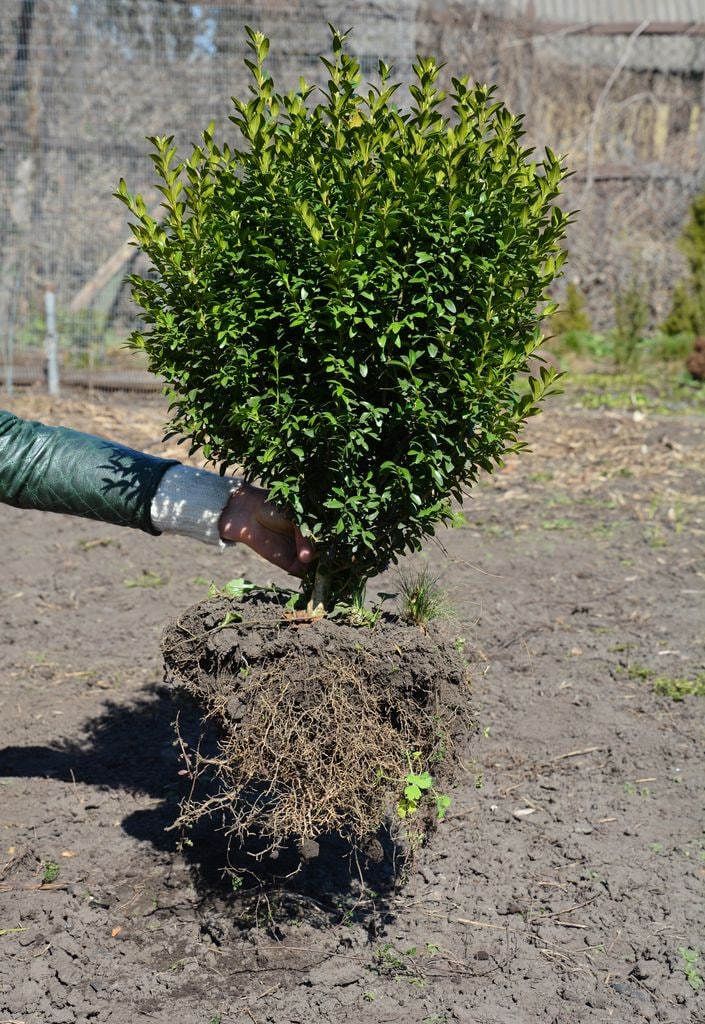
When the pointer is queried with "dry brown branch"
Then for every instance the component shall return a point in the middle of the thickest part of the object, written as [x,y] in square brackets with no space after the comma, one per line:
[602,99]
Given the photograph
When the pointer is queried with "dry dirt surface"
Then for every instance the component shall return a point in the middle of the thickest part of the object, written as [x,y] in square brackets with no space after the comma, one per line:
[567,882]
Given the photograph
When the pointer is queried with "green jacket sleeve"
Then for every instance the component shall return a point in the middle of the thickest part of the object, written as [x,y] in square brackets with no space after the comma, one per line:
[56,469]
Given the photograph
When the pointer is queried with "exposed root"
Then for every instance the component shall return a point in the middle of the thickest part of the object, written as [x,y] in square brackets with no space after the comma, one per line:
[316,737]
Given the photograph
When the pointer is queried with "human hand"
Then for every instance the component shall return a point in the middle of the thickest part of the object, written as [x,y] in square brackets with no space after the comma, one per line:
[250,519]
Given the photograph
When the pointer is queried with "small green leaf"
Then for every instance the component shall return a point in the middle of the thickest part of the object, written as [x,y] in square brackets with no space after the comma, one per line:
[238,587]
[442,804]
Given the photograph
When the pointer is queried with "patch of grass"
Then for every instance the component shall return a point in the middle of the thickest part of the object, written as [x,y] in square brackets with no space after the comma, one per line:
[663,389]
[675,687]
[147,579]
[604,531]
[558,498]
[639,672]
[421,597]
[669,348]
[679,687]
[655,537]
[559,523]
[583,343]
[391,962]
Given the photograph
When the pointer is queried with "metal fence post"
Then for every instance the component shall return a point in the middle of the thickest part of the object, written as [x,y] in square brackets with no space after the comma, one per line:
[52,344]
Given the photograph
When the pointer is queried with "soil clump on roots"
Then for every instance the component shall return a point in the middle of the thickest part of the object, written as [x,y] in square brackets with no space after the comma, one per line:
[318,722]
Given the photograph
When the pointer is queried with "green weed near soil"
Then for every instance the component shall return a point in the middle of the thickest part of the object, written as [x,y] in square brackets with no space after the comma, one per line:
[679,688]
[675,687]
[690,959]
[654,379]
[51,873]
[149,578]
[421,598]
[662,394]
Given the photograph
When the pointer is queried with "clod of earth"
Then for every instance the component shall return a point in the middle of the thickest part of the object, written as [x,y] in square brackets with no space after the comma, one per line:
[696,360]
[318,722]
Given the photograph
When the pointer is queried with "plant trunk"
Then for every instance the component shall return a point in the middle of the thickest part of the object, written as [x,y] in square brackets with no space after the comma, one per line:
[322,584]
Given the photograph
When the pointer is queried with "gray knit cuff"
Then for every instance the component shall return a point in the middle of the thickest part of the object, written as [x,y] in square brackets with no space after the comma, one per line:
[190,502]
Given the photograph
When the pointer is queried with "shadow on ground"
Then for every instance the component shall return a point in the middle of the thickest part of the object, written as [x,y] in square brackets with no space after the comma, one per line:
[134,748]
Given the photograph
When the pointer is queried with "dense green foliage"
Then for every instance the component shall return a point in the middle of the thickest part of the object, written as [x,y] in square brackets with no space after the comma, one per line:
[342,304]
[687,314]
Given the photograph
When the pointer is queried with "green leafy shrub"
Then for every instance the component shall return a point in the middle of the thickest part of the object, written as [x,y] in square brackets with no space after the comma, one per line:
[342,304]
[669,348]
[572,315]
[631,314]
[687,314]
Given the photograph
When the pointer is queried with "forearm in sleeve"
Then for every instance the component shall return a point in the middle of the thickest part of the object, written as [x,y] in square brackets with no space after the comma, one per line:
[56,469]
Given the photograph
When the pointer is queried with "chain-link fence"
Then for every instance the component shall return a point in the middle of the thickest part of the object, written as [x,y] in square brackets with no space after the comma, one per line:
[82,82]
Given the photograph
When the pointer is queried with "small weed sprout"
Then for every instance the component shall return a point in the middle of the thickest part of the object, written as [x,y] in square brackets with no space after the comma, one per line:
[690,959]
[421,598]
[416,785]
[679,688]
[148,579]
[51,873]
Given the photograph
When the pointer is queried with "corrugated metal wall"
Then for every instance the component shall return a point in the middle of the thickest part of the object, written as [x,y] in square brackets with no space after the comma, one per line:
[601,10]
[672,41]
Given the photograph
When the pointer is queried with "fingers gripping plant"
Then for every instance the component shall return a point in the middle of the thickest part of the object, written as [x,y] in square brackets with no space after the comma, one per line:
[342,303]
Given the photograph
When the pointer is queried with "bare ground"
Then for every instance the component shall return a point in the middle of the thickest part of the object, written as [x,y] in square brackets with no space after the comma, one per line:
[569,877]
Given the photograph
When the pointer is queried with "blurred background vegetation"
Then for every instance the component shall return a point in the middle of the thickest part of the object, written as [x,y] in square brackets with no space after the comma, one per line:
[618,87]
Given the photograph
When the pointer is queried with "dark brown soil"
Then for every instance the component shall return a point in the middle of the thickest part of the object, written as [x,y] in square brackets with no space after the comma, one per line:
[569,876]
[321,724]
